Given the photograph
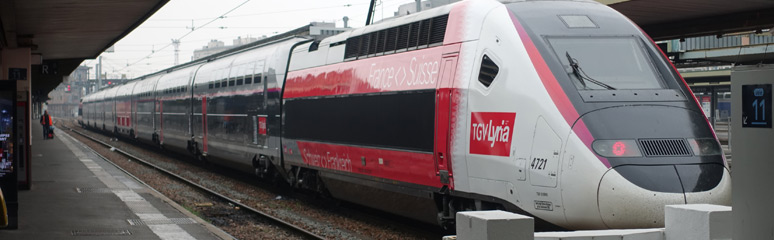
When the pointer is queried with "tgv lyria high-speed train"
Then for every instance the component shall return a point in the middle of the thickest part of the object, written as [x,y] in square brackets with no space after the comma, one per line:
[563,110]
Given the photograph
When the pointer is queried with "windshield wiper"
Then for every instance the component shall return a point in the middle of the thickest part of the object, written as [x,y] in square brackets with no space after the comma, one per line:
[581,75]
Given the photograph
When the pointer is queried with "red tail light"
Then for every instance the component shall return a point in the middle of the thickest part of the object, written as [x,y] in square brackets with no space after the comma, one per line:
[617,148]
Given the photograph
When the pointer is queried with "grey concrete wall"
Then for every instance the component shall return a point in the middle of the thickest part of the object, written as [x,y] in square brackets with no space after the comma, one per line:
[753,162]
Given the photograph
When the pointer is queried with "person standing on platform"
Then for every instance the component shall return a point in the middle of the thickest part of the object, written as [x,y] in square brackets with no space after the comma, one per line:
[45,120]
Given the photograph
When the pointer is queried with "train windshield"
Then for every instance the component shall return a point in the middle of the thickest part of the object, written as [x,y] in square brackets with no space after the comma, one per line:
[606,63]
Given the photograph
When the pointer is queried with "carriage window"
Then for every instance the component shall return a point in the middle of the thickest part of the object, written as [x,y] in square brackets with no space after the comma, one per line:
[258,78]
[240,80]
[211,85]
[488,72]
[248,79]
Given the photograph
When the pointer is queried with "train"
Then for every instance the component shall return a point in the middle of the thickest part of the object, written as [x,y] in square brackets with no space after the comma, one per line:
[561,110]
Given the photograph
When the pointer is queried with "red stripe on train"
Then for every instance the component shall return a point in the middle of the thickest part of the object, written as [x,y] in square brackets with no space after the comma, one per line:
[412,70]
[409,167]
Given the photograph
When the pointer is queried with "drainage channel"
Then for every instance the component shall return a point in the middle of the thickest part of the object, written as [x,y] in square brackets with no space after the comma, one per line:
[301,231]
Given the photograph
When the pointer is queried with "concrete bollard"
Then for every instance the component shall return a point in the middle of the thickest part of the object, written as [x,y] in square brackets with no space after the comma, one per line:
[494,225]
[698,221]
[615,234]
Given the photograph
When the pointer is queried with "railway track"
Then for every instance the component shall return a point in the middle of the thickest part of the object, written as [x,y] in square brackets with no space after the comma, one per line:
[327,218]
[301,231]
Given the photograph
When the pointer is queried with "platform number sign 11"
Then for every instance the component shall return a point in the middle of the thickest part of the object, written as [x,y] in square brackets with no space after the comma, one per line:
[756,106]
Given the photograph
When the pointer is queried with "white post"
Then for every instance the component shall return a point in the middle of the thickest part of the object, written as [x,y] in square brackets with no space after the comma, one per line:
[698,222]
[494,225]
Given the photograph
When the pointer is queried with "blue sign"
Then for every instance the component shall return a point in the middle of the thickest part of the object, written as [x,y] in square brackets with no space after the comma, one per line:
[756,106]
[17,74]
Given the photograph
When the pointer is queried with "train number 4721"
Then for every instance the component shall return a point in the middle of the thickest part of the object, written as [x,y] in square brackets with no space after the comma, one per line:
[538,163]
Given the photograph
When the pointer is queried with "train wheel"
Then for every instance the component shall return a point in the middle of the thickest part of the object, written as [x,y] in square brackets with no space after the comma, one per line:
[201,159]
[276,181]
[447,209]
[262,166]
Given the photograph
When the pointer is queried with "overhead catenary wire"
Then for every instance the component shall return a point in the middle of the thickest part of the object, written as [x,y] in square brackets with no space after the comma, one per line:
[131,63]
[262,13]
[188,33]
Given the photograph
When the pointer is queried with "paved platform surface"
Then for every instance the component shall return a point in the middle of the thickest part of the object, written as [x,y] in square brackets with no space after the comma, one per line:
[76,194]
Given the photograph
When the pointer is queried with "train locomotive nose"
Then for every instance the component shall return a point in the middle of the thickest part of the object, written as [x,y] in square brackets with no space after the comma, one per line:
[660,155]
[635,195]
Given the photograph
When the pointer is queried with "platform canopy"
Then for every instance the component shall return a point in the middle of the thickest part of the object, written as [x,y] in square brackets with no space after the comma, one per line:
[64,33]
[674,19]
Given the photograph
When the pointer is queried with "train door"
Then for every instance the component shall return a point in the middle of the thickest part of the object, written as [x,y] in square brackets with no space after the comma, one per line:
[204,125]
[263,131]
[190,113]
[261,114]
[544,162]
[442,113]
[154,112]
[132,114]
[260,120]
[103,112]
[159,128]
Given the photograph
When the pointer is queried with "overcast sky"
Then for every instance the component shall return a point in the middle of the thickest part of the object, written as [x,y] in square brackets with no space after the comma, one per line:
[148,48]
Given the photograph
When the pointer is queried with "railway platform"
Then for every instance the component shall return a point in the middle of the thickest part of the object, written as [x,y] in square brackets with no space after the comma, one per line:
[76,193]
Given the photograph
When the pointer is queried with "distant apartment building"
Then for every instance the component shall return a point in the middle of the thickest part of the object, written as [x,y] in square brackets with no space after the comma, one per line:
[410,8]
[64,99]
[216,46]
[323,29]
[317,30]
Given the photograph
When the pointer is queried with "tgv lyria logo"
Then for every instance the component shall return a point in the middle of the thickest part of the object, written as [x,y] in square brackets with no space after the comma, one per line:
[491,133]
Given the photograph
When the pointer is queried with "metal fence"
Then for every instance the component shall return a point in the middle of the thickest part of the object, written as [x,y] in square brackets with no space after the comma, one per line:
[711,42]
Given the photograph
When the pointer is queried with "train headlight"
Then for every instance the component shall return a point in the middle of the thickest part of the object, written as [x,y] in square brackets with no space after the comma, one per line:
[616,148]
[704,146]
